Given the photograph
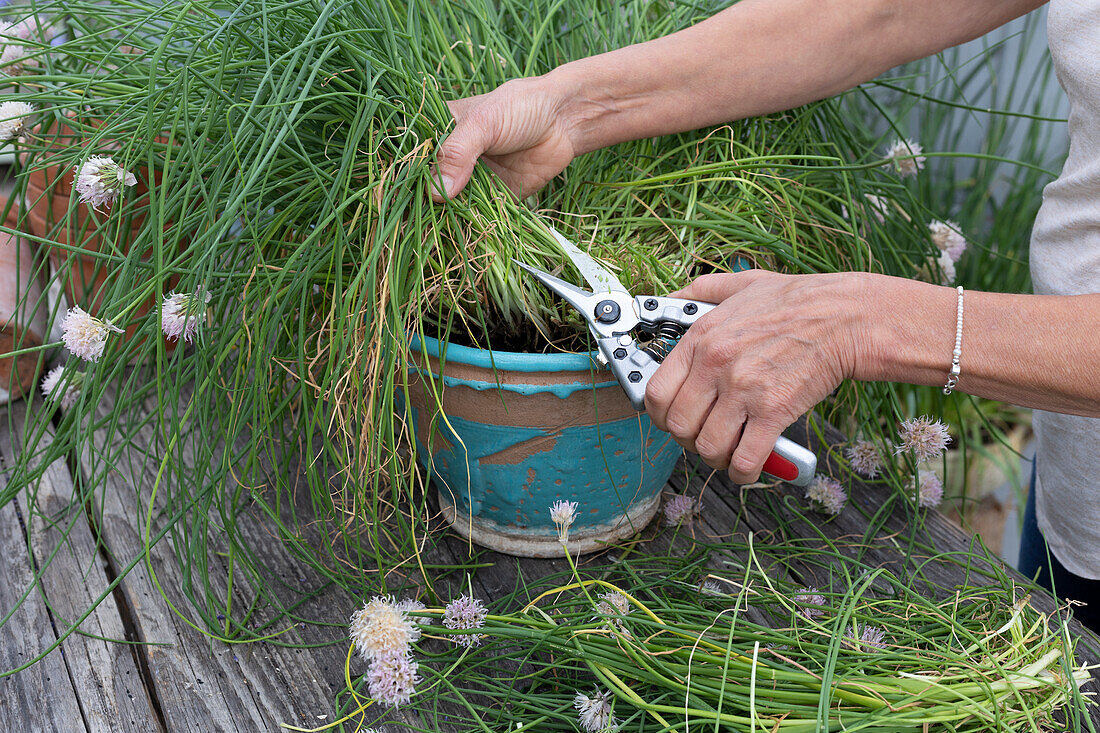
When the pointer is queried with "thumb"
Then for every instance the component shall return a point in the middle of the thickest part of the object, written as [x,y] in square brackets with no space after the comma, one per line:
[717,287]
[457,155]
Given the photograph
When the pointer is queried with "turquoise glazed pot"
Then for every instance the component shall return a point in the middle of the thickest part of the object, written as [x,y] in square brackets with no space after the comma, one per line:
[518,432]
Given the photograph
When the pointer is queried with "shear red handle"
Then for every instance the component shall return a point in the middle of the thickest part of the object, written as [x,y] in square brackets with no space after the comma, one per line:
[791,462]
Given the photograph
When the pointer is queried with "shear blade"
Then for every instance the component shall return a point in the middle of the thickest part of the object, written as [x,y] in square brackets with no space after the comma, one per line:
[599,277]
[582,300]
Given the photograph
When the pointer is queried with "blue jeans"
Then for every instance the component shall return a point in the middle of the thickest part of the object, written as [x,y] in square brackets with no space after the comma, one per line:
[1037,561]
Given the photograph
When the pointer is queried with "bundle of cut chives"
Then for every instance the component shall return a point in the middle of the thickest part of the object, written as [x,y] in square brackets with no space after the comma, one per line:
[744,652]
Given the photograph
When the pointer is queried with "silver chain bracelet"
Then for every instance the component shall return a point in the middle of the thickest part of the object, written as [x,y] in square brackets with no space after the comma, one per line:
[953,376]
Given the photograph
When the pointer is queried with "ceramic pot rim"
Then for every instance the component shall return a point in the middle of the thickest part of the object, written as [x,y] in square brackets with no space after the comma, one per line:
[516,361]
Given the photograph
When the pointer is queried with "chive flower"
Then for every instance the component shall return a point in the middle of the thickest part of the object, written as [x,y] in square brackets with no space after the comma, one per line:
[864,458]
[940,271]
[612,603]
[612,607]
[392,678]
[806,599]
[410,605]
[946,267]
[465,612]
[826,495]
[712,588]
[13,53]
[595,712]
[946,237]
[924,437]
[878,206]
[381,628]
[85,335]
[680,508]
[100,179]
[563,514]
[14,119]
[905,157]
[59,390]
[866,638]
[929,489]
[181,314]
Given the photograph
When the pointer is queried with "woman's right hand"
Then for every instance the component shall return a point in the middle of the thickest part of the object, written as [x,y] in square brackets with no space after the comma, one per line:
[521,130]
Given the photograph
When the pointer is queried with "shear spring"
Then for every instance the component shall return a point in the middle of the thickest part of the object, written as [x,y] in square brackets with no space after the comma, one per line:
[664,338]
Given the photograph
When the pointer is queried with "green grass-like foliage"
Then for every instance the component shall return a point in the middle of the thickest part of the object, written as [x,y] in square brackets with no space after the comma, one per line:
[287,149]
[697,643]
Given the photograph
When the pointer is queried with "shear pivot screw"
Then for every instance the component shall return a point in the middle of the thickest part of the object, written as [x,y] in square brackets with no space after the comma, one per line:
[690,309]
[635,376]
[650,304]
[620,353]
[607,311]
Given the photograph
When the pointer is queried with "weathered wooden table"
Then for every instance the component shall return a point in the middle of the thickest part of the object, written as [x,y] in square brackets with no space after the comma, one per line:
[160,673]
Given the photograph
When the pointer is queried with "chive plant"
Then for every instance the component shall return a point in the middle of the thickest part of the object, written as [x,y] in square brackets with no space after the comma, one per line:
[283,151]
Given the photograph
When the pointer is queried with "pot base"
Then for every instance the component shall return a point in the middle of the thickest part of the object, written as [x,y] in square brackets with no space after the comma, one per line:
[523,543]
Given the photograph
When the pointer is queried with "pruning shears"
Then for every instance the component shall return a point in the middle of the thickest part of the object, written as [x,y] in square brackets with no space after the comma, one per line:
[613,315]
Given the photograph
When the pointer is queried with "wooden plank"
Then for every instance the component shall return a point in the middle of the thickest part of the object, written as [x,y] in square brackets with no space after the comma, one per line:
[202,684]
[326,631]
[105,675]
[199,684]
[26,633]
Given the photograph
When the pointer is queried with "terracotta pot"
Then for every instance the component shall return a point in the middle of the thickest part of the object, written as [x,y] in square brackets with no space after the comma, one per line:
[522,431]
[23,313]
[48,195]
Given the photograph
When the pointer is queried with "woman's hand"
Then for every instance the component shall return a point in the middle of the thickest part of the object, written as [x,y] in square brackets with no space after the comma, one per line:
[775,346]
[521,130]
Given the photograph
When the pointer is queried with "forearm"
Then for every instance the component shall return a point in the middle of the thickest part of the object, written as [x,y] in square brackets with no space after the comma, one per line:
[1030,350]
[760,56]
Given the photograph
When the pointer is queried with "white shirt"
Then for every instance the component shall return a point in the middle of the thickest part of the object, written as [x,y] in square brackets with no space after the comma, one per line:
[1065,260]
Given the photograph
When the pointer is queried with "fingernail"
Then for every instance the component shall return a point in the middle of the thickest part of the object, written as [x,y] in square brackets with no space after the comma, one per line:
[444,184]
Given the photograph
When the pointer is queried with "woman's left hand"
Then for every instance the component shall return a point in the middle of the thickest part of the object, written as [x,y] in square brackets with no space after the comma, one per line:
[775,346]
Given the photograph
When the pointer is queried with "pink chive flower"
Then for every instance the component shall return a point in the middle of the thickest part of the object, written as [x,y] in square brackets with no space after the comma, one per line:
[14,50]
[382,628]
[411,605]
[392,678]
[808,597]
[181,314]
[866,638]
[905,157]
[924,437]
[929,489]
[62,391]
[465,612]
[595,712]
[864,458]
[563,514]
[100,179]
[946,237]
[680,508]
[14,119]
[85,335]
[826,495]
